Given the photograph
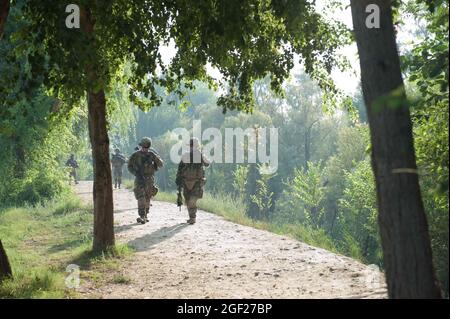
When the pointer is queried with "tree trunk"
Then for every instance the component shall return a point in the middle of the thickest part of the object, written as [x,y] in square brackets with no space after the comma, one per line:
[19,152]
[250,190]
[333,221]
[103,195]
[307,153]
[98,133]
[402,220]
[4,10]
[5,267]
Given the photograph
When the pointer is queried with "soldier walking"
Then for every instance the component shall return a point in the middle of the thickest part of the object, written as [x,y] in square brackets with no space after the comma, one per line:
[117,161]
[143,164]
[191,177]
[73,164]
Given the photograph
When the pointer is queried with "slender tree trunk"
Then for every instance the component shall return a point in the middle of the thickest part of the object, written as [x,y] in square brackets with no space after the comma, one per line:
[402,220]
[366,246]
[19,152]
[250,190]
[98,133]
[5,267]
[307,153]
[4,11]
[333,221]
[103,196]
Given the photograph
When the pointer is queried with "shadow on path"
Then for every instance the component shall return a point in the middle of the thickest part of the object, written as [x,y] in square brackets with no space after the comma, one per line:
[122,228]
[146,242]
[120,211]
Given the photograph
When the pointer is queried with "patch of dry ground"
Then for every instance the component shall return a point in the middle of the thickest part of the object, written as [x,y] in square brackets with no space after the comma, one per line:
[216,258]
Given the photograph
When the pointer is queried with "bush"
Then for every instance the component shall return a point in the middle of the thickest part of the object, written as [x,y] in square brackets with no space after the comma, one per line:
[35,187]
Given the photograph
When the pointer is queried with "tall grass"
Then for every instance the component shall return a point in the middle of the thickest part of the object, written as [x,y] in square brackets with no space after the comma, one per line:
[42,240]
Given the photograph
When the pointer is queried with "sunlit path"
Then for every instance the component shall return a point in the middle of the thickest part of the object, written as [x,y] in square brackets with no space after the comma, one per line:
[219,259]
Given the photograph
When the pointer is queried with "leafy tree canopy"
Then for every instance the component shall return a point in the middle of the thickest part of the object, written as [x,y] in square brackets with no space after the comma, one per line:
[244,39]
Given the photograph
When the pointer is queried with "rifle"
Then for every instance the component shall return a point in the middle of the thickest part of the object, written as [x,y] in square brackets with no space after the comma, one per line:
[179,198]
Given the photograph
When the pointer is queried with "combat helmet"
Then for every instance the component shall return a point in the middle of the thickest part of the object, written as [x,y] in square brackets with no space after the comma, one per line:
[146,142]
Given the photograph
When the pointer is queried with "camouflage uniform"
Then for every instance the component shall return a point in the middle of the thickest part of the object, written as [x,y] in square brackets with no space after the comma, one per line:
[73,164]
[142,165]
[191,177]
[117,161]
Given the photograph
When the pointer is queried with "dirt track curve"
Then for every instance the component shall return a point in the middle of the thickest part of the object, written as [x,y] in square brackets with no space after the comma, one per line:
[216,258]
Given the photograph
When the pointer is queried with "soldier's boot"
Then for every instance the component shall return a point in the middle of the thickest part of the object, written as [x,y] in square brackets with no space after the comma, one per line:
[146,214]
[192,216]
[141,218]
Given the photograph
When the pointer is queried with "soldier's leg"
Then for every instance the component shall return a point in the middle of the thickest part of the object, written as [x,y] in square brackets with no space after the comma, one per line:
[147,208]
[147,202]
[191,203]
[119,177]
[75,175]
[139,193]
[141,210]
[72,177]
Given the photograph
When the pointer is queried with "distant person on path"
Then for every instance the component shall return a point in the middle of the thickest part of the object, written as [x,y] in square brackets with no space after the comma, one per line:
[143,164]
[73,164]
[191,177]
[117,161]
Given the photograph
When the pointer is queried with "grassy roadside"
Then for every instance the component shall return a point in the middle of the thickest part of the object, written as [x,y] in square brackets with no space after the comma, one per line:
[41,241]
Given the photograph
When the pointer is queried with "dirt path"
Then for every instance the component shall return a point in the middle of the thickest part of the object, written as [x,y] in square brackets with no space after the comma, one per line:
[219,259]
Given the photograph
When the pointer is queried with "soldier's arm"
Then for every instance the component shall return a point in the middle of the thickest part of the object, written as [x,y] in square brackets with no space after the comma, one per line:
[131,167]
[158,161]
[178,179]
